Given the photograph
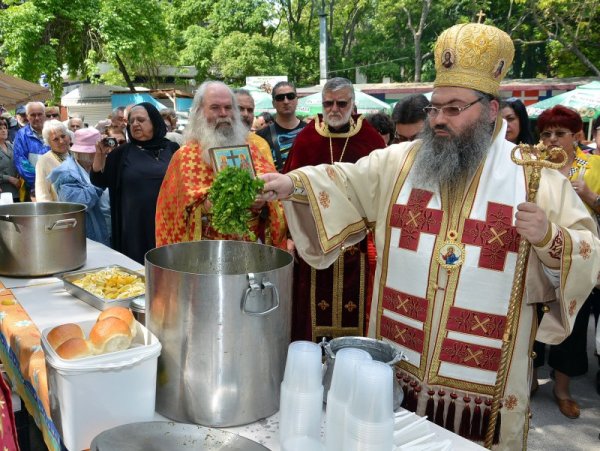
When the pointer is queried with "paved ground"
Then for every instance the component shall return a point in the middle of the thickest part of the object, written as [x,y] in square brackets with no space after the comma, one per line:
[550,430]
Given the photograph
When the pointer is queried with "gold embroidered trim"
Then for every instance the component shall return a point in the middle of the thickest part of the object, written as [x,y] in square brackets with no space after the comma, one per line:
[401,179]
[323,129]
[327,244]
[546,238]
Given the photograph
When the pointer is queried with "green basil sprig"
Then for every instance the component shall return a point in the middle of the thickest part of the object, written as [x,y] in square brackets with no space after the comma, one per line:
[232,194]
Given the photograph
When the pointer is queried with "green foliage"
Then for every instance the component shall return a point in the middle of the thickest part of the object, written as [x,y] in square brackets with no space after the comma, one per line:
[232,39]
[232,194]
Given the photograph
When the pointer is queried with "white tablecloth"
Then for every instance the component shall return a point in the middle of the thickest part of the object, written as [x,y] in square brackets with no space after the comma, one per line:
[48,304]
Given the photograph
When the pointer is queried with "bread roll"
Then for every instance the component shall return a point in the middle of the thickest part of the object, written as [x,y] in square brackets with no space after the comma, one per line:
[109,335]
[123,314]
[74,348]
[62,333]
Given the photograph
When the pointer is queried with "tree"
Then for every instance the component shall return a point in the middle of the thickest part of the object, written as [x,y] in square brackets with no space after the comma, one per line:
[573,31]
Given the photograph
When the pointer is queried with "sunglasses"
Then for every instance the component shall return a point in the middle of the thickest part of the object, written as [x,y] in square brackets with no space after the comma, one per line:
[340,103]
[50,115]
[287,95]
[432,111]
[557,133]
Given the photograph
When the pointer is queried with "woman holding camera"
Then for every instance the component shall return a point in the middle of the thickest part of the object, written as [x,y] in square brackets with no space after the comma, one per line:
[133,174]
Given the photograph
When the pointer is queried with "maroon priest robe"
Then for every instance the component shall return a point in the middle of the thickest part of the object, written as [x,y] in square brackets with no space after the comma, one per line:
[332,302]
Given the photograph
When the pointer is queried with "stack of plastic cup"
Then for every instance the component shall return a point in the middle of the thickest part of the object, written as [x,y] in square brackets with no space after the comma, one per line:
[370,414]
[301,402]
[342,383]
[302,443]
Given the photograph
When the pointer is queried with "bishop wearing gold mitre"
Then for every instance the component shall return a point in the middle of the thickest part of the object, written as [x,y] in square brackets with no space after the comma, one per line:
[466,323]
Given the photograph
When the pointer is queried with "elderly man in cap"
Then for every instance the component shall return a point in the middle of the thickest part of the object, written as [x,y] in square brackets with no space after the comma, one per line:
[456,189]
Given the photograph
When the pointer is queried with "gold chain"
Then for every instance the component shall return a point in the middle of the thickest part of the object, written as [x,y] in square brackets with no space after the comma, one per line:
[343,149]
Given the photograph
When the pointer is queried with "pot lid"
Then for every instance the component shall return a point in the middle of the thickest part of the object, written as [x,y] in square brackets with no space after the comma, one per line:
[168,435]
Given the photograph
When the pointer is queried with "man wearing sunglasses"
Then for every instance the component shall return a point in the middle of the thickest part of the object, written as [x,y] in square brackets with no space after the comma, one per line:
[331,302]
[465,326]
[281,133]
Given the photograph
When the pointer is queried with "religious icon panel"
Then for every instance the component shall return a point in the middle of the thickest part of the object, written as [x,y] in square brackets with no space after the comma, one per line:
[232,156]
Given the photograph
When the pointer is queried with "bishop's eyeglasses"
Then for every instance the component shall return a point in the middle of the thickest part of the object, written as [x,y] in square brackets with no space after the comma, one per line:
[449,110]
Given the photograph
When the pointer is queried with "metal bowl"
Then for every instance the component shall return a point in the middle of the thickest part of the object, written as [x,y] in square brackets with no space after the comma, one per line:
[168,435]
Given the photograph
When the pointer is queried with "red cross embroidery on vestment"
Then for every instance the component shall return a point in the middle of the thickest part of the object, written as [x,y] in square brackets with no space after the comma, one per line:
[415,218]
[400,333]
[496,236]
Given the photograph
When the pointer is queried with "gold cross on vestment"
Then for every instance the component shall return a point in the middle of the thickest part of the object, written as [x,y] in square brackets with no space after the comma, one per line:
[480,16]
[473,356]
[350,306]
[323,304]
[496,236]
[400,333]
[401,304]
[480,324]
[413,218]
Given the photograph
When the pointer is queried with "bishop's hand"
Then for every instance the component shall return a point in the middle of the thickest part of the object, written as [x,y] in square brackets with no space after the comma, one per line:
[531,222]
[277,186]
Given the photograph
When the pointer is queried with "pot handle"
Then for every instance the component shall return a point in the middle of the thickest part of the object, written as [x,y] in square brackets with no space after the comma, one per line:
[63,224]
[398,357]
[256,287]
[327,348]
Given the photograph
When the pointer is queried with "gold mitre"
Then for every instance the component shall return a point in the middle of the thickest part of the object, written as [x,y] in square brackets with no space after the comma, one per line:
[474,56]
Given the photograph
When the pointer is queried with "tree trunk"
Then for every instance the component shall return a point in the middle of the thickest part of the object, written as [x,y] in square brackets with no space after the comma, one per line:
[123,70]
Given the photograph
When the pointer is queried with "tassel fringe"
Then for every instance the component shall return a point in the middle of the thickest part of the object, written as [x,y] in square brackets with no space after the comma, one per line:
[430,407]
[451,412]
[497,428]
[476,421]
[439,411]
[465,420]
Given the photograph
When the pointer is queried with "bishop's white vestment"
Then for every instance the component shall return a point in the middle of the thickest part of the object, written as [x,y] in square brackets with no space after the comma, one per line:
[445,267]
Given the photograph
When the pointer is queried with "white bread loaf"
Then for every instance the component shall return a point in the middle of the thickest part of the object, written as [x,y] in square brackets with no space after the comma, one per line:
[109,335]
[60,334]
[123,314]
[74,348]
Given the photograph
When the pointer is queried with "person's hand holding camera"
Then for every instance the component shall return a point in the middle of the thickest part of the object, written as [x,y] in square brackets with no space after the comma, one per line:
[103,148]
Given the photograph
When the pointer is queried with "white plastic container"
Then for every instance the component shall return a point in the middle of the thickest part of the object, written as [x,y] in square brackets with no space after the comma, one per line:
[90,395]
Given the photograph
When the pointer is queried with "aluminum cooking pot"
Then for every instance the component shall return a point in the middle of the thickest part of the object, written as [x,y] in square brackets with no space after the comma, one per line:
[41,238]
[222,312]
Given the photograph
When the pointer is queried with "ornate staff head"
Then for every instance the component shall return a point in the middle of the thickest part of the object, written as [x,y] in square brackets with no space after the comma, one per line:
[537,157]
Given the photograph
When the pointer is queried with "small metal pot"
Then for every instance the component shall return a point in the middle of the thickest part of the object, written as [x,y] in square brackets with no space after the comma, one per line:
[41,238]
[379,350]
[138,308]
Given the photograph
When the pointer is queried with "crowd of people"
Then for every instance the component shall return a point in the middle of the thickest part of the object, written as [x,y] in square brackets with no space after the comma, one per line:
[373,207]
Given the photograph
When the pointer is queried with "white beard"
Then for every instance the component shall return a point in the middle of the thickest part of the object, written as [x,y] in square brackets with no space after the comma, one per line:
[224,132]
[337,122]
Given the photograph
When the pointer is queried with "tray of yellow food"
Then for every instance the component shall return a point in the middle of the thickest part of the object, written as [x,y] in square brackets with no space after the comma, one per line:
[105,287]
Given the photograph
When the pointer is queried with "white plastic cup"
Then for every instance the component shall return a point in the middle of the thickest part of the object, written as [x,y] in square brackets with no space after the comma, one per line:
[302,443]
[303,367]
[300,413]
[342,383]
[372,396]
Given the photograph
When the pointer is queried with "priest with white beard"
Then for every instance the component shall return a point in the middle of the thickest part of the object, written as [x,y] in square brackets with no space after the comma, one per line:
[450,211]
[183,211]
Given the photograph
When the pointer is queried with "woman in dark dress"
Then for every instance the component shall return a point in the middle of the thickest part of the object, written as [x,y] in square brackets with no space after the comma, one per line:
[133,174]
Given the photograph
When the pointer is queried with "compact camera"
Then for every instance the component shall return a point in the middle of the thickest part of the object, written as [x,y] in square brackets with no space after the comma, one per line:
[110,141]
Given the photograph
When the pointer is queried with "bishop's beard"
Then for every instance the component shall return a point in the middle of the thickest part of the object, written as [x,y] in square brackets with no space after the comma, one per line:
[224,132]
[445,160]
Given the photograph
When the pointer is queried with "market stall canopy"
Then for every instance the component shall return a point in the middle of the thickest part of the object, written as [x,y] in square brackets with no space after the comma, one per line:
[183,100]
[15,91]
[584,99]
[365,104]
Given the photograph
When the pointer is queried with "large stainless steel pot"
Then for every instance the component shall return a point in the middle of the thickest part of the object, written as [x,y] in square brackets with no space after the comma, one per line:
[222,311]
[37,239]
